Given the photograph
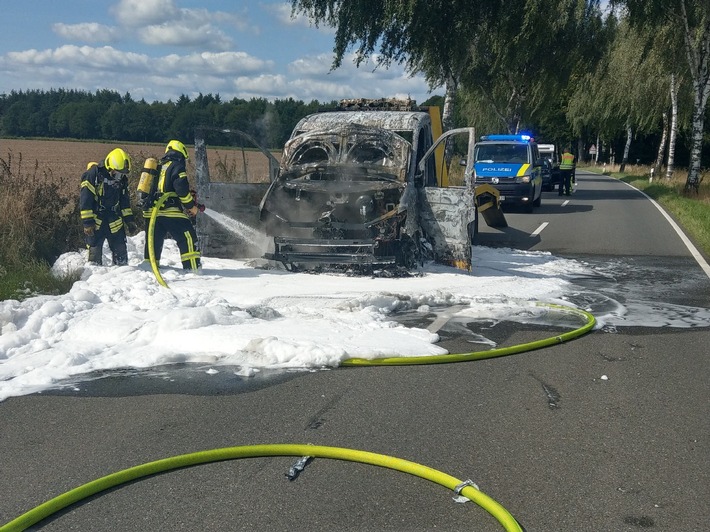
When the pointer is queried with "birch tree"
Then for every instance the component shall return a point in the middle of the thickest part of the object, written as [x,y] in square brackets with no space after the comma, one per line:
[691,21]
[625,95]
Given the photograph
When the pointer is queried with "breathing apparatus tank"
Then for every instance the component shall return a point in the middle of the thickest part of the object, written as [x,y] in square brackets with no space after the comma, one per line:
[148,183]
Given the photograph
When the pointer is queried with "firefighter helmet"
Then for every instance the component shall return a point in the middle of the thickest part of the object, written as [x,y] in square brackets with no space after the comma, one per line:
[177,146]
[119,161]
[92,163]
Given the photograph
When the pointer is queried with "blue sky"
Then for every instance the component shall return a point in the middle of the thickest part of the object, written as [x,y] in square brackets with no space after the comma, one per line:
[161,49]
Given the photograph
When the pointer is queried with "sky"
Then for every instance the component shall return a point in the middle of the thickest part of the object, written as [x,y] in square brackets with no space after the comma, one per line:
[238,318]
[158,50]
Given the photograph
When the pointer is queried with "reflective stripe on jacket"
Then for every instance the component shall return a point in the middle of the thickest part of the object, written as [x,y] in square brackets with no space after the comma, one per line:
[104,199]
[567,161]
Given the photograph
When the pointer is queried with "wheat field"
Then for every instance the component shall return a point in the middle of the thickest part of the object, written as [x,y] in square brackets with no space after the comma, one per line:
[62,160]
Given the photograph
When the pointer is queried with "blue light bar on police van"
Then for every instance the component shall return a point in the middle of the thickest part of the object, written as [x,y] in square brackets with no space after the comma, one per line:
[524,138]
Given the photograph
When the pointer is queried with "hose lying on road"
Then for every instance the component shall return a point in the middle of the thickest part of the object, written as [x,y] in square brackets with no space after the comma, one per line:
[252,451]
[90,489]
[489,353]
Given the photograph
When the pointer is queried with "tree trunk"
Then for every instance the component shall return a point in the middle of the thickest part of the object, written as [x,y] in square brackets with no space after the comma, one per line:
[696,143]
[673,130]
[661,147]
[699,63]
[447,113]
[627,147]
[599,150]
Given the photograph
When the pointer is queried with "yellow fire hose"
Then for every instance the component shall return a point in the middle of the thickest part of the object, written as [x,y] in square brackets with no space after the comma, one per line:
[151,240]
[489,353]
[90,489]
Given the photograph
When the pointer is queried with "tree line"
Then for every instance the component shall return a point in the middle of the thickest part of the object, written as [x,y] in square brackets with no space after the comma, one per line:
[108,115]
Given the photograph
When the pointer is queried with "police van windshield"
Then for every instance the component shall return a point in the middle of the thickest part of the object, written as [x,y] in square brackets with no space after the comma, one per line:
[501,153]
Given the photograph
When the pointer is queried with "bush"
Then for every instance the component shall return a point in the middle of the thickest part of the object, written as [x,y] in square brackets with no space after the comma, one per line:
[39,215]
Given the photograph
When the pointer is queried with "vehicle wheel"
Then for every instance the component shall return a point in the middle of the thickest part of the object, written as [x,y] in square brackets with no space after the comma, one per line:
[528,208]
[538,201]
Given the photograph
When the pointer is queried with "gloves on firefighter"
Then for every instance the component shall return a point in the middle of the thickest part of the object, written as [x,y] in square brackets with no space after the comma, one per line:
[192,211]
[89,230]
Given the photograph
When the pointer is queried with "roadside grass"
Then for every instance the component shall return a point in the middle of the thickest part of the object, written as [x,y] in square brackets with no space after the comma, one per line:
[39,215]
[690,210]
[31,279]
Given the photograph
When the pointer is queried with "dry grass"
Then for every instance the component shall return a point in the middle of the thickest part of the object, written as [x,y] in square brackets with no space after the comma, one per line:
[676,182]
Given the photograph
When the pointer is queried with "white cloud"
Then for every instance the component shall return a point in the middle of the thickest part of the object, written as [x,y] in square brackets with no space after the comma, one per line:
[133,13]
[162,23]
[92,32]
[233,63]
[70,56]
[207,37]
[282,13]
[258,86]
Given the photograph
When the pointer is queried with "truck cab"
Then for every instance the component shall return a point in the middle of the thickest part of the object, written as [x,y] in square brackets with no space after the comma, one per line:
[511,164]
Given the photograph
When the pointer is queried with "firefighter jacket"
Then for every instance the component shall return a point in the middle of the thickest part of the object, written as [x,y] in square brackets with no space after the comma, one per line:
[103,199]
[172,181]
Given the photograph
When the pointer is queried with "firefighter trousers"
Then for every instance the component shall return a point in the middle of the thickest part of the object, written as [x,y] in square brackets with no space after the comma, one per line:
[180,229]
[116,243]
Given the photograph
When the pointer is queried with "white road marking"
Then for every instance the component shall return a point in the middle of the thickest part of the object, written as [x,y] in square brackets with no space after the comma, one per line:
[539,229]
[693,250]
[564,203]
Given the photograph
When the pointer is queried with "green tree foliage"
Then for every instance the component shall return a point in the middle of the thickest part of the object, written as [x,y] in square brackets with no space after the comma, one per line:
[627,88]
[690,20]
[512,60]
[428,37]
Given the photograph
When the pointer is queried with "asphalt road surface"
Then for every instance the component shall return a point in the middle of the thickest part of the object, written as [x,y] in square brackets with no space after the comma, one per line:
[609,432]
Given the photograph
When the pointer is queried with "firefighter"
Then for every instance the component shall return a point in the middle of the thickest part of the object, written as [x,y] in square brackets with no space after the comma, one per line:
[172,217]
[566,172]
[106,207]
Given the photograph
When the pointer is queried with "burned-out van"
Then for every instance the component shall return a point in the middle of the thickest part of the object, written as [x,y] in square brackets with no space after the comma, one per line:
[366,186]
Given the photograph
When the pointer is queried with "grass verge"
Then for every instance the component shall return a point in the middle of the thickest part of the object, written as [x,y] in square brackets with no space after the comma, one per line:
[31,279]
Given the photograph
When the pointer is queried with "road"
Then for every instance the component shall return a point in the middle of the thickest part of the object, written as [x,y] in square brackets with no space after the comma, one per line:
[609,432]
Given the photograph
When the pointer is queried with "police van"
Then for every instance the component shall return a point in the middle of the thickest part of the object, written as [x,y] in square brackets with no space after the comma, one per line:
[512,164]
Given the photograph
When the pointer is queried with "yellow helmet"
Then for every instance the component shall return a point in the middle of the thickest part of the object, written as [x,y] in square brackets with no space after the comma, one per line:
[119,161]
[178,147]
[92,163]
